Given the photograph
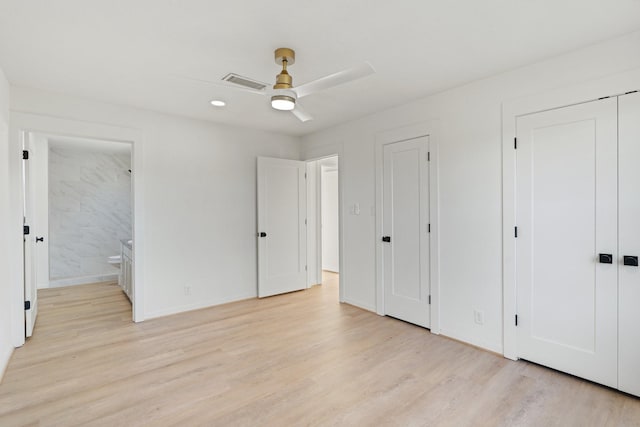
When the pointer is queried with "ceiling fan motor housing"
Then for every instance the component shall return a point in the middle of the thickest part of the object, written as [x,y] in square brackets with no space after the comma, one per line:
[284,56]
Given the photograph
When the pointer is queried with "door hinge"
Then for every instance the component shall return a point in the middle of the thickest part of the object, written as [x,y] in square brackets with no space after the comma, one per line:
[516,232]
[429,299]
[27,305]
[428,156]
[428,228]
[305,268]
[516,320]
[305,221]
[305,175]
[25,230]
[515,143]
[25,155]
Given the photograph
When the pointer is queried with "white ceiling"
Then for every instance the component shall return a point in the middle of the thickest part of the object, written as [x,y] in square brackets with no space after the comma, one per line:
[129,51]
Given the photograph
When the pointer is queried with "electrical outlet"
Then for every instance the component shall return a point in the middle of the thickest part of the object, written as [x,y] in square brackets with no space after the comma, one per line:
[478,317]
[187,290]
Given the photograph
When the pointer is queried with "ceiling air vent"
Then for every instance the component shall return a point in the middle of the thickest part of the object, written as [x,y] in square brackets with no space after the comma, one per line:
[244,81]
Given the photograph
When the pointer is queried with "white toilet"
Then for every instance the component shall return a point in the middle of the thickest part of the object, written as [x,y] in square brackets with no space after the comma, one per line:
[115,260]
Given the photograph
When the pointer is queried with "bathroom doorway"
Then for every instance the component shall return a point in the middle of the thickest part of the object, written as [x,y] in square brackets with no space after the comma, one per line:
[323,223]
[78,204]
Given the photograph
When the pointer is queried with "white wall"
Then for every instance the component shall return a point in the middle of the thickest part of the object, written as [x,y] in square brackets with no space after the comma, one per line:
[329,207]
[89,208]
[469,140]
[199,199]
[6,346]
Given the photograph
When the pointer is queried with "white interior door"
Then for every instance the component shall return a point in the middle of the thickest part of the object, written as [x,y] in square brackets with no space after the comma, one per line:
[30,249]
[629,241]
[566,215]
[281,226]
[405,229]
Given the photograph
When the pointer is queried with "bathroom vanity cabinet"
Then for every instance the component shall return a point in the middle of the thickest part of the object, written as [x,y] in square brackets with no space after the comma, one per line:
[126,268]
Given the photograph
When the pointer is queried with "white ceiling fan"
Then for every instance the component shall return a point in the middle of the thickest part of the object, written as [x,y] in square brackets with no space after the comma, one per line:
[284,96]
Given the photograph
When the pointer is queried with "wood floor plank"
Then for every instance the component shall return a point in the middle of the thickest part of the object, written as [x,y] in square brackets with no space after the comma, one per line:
[295,359]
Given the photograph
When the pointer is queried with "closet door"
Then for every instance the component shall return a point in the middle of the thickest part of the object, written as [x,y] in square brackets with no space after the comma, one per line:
[566,213]
[629,302]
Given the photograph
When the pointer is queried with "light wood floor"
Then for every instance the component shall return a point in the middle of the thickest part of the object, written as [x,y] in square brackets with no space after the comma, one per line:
[295,359]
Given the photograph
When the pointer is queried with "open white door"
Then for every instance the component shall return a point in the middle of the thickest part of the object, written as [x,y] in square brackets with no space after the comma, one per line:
[30,251]
[282,241]
[406,228]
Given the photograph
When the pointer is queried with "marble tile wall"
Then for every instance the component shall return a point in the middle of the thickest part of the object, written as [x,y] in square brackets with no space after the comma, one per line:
[89,208]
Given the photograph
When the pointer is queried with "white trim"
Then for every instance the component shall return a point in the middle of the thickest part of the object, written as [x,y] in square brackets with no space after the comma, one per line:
[28,122]
[83,280]
[5,357]
[316,274]
[318,230]
[404,133]
[319,153]
[319,174]
[198,305]
[616,84]
[360,304]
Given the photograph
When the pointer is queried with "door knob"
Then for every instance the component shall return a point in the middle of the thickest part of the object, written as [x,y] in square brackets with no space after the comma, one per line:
[606,258]
[630,260]
[262,234]
[39,239]
[386,239]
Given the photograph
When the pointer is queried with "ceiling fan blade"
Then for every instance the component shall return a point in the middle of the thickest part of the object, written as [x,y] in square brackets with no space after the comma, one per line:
[222,84]
[301,114]
[336,79]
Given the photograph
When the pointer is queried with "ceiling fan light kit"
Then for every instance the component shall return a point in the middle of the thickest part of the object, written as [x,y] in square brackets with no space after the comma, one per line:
[283,102]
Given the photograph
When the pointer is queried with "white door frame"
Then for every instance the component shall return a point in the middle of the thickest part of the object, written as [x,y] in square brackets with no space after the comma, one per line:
[319,153]
[26,122]
[317,203]
[313,274]
[319,214]
[617,84]
[429,129]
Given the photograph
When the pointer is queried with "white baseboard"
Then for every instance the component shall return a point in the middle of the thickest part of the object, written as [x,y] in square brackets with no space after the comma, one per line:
[492,347]
[196,306]
[359,304]
[5,356]
[84,280]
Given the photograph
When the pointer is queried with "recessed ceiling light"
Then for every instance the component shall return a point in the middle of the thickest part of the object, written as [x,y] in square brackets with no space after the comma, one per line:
[218,103]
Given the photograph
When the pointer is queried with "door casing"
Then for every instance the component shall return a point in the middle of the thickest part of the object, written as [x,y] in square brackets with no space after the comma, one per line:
[613,85]
[28,122]
[319,153]
[430,129]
